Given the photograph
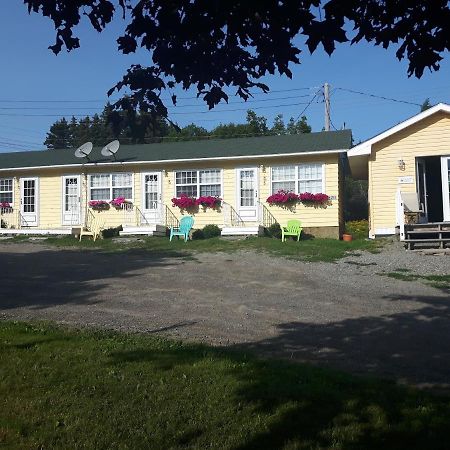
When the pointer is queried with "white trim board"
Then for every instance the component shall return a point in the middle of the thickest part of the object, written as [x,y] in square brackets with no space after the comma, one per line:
[365,148]
[165,161]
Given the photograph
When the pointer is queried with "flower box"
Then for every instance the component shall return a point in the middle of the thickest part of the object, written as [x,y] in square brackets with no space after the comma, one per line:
[6,206]
[98,205]
[119,202]
[208,201]
[284,198]
[184,202]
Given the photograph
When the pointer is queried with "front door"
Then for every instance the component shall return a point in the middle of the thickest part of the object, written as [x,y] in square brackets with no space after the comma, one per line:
[422,188]
[445,167]
[151,201]
[71,200]
[29,192]
[247,194]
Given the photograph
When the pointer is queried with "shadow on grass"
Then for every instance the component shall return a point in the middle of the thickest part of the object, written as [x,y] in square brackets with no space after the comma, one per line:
[310,407]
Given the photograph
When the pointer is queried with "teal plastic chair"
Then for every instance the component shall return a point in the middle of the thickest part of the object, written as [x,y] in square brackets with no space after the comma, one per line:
[294,228]
[186,224]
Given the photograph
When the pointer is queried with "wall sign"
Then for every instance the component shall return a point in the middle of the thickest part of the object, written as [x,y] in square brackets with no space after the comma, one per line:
[406,180]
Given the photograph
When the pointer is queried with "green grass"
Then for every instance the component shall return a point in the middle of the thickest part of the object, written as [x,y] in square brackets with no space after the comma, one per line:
[309,249]
[438,281]
[64,389]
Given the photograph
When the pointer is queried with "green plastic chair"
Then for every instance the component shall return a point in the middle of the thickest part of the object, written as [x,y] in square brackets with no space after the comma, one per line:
[294,228]
[186,224]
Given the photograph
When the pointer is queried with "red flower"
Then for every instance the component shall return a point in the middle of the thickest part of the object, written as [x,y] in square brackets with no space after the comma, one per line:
[282,197]
[183,201]
[208,201]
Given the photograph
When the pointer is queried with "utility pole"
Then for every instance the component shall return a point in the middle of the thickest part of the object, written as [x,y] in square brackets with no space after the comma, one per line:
[326,94]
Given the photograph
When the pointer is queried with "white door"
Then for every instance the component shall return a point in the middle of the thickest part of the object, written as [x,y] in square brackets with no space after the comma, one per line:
[29,193]
[71,200]
[445,167]
[151,197]
[247,193]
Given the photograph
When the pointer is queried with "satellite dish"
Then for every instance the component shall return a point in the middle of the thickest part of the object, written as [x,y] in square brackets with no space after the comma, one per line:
[111,149]
[84,150]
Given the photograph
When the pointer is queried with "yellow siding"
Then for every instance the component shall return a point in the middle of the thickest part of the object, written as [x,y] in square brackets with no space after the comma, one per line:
[430,137]
[51,189]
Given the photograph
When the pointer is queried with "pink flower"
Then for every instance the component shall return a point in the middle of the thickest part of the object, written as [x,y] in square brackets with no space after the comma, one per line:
[282,197]
[184,202]
[5,205]
[98,204]
[208,201]
[118,202]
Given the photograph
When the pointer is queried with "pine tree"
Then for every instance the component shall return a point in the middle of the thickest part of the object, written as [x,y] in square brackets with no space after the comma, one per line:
[59,136]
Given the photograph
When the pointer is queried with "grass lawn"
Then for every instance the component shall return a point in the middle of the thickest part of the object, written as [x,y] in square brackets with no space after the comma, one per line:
[309,250]
[437,281]
[63,389]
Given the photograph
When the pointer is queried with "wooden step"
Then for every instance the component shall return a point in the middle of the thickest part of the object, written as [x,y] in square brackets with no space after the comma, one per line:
[427,231]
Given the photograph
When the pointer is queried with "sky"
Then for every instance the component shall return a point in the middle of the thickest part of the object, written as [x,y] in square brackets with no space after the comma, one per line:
[37,87]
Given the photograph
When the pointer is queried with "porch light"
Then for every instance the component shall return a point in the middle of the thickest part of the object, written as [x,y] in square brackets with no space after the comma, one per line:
[401,164]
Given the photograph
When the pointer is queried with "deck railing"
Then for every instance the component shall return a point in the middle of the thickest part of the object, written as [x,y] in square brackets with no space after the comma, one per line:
[11,218]
[231,218]
[266,218]
[170,219]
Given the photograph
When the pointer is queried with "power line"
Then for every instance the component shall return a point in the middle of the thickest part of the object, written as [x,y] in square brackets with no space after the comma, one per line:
[378,96]
[13,108]
[115,99]
[308,105]
[171,113]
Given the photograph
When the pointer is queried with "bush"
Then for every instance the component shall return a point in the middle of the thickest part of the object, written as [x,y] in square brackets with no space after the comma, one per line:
[198,234]
[359,229]
[274,231]
[210,231]
[111,232]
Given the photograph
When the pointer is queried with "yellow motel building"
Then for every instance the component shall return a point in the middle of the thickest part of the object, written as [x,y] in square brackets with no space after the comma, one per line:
[50,191]
[408,173]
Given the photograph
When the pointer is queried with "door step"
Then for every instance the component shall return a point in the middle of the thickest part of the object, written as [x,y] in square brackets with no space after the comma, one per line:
[148,230]
[253,230]
[433,235]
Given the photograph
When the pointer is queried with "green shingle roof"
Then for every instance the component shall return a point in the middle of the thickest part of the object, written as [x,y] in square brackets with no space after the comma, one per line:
[196,149]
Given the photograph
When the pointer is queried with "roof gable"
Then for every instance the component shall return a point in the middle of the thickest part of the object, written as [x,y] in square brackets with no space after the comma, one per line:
[365,148]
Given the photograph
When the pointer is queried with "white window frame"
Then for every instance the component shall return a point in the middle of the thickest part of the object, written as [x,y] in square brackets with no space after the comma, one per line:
[111,187]
[297,177]
[198,184]
[13,188]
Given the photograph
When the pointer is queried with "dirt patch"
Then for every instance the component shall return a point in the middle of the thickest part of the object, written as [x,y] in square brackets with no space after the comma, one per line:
[342,315]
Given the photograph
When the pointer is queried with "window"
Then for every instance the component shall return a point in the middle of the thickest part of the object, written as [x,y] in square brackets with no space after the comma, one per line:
[107,186]
[301,178]
[6,190]
[197,183]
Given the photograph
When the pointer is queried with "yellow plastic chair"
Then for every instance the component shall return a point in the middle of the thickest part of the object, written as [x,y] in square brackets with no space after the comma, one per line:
[93,228]
[293,228]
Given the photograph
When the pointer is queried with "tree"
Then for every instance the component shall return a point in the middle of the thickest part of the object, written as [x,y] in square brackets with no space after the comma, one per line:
[299,126]
[60,135]
[212,45]
[278,126]
[425,105]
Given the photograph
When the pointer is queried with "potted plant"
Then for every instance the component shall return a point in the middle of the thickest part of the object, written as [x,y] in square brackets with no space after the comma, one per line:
[208,201]
[282,198]
[184,202]
[99,205]
[119,202]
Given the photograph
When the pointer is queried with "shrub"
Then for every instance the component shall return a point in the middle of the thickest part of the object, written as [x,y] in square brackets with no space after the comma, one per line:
[198,234]
[111,232]
[274,231]
[210,231]
[358,228]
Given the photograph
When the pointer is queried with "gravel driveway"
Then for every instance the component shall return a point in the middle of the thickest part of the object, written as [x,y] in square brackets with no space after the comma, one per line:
[343,315]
